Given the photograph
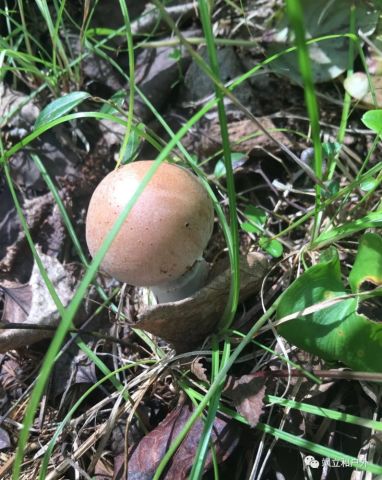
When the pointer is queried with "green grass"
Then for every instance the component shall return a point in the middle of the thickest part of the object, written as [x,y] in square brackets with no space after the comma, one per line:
[20,54]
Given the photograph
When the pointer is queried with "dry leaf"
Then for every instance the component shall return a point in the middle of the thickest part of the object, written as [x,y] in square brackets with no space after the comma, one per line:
[146,457]
[46,226]
[32,304]
[5,441]
[10,101]
[72,368]
[191,320]
[103,470]
[9,222]
[247,394]
[244,136]
[11,378]
[199,370]
[199,86]
[17,302]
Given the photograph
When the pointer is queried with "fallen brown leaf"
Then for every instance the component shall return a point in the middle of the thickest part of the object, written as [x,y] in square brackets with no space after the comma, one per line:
[11,100]
[5,441]
[247,394]
[32,304]
[46,226]
[244,137]
[147,455]
[198,369]
[191,320]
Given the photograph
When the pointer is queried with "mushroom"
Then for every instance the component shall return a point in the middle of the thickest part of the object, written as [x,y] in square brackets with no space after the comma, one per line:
[161,243]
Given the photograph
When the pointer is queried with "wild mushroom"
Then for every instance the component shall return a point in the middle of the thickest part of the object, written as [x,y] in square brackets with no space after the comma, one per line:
[161,243]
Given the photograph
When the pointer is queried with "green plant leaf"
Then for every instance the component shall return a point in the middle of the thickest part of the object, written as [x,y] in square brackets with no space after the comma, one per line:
[219,170]
[273,247]
[237,160]
[368,263]
[369,184]
[59,107]
[331,149]
[373,120]
[337,332]
[133,143]
[332,188]
[117,99]
[256,219]
[250,228]
[372,220]
[176,54]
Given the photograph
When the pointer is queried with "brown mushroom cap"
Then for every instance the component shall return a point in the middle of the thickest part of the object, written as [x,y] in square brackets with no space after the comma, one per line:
[165,232]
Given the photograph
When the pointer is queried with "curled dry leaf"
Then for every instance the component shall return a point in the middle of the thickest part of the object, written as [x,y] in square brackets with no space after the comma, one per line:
[191,320]
[32,304]
[147,455]
[247,394]
[199,370]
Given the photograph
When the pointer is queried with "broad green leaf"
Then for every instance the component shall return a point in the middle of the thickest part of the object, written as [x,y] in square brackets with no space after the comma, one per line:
[256,215]
[368,263]
[250,228]
[273,247]
[373,120]
[256,219]
[372,220]
[59,107]
[334,333]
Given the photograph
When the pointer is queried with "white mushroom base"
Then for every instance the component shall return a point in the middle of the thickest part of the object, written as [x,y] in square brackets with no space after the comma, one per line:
[183,286]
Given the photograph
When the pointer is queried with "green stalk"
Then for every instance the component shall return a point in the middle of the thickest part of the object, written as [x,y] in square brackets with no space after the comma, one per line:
[233,298]
[296,18]
[347,98]
[130,49]
[213,407]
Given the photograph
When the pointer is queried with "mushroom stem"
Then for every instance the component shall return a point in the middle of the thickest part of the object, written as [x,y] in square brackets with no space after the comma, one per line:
[184,286]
